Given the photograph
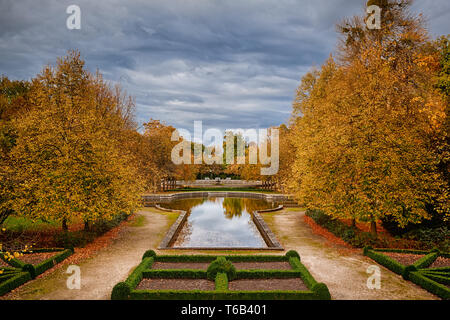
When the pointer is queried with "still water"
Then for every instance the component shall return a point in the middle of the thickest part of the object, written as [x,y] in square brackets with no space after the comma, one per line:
[219,222]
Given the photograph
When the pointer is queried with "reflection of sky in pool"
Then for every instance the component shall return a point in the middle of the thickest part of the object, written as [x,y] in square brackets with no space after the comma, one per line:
[219,222]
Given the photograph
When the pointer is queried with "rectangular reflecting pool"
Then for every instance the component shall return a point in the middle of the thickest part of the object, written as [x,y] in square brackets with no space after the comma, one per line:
[219,222]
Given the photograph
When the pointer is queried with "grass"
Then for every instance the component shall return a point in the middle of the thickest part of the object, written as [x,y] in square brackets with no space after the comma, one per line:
[138,222]
[21,231]
[21,224]
[171,216]
[295,209]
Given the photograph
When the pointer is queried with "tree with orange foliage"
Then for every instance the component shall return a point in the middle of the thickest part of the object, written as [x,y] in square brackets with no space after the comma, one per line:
[363,124]
[68,158]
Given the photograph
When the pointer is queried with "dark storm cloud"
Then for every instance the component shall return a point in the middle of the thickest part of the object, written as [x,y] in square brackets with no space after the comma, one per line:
[231,64]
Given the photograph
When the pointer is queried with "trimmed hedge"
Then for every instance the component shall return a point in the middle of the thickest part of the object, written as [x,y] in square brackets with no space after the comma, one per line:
[121,291]
[216,295]
[136,276]
[221,282]
[221,265]
[426,260]
[293,254]
[149,254]
[24,272]
[41,267]
[263,258]
[176,274]
[386,261]
[51,262]
[211,258]
[430,285]
[13,278]
[307,278]
[221,271]
[185,258]
[267,274]
[433,280]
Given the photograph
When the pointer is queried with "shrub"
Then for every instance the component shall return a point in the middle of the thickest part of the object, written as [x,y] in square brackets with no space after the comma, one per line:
[293,254]
[321,290]
[149,254]
[121,291]
[221,282]
[419,237]
[221,265]
[30,269]
[406,272]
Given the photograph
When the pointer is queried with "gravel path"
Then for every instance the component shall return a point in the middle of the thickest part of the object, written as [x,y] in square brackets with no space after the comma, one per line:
[342,269]
[100,273]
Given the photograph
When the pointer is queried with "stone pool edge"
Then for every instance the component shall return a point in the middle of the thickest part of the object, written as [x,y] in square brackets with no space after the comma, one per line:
[152,199]
[267,234]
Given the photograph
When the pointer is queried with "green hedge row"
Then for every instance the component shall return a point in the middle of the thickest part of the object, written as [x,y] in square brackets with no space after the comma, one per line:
[307,278]
[430,285]
[175,274]
[14,280]
[209,259]
[217,295]
[136,276]
[41,267]
[51,262]
[386,261]
[268,274]
[426,260]
[221,271]
[401,250]
[26,272]
[221,282]
[433,280]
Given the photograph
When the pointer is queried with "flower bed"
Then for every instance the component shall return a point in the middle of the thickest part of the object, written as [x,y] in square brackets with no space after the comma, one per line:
[11,278]
[27,266]
[428,269]
[255,278]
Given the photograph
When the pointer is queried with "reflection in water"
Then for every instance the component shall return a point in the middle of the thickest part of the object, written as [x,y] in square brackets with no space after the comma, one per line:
[219,222]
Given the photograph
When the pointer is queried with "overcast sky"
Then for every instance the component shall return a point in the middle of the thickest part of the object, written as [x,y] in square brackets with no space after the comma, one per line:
[231,64]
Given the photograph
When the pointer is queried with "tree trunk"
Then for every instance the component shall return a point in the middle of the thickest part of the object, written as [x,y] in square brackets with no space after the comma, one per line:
[354,223]
[64,225]
[373,227]
[86,226]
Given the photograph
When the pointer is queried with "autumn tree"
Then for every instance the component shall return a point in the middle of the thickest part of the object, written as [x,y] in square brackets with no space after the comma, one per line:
[363,124]
[13,100]
[68,157]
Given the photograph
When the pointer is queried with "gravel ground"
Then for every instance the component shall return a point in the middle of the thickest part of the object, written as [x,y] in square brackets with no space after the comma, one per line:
[440,262]
[344,271]
[404,258]
[267,284]
[121,257]
[262,265]
[36,258]
[180,265]
[176,284]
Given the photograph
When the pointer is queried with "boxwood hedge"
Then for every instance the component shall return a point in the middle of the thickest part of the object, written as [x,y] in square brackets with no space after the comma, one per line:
[22,272]
[221,271]
[434,280]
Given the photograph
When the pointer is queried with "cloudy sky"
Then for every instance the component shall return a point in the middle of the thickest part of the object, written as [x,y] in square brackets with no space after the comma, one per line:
[231,64]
